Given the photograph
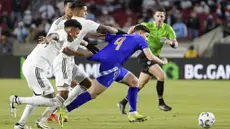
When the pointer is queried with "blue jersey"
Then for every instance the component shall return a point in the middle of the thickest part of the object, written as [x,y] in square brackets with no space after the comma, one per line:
[119,48]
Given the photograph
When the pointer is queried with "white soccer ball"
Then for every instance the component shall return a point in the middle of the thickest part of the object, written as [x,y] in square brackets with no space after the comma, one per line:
[206,120]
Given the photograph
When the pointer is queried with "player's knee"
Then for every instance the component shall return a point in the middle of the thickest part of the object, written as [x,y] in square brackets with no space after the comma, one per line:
[94,95]
[63,94]
[161,77]
[134,82]
[86,83]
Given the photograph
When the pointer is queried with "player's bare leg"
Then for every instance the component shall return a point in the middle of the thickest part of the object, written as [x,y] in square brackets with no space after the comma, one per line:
[157,71]
[143,79]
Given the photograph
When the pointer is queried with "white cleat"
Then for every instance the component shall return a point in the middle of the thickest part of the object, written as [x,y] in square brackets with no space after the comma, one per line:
[40,125]
[13,105]
[19,126]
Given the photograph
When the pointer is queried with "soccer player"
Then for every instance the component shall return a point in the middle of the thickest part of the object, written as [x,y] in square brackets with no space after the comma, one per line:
[64,65]
[33,69]
[111,58]
[41,58]
[160,33]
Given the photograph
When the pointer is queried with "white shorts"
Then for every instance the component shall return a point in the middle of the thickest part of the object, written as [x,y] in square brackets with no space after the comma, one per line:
[65,71]
[36,79]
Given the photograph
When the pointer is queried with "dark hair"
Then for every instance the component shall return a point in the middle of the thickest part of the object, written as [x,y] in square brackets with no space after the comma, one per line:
[68,1]
[77,5]
[160,9]
[73,23]
[142,28]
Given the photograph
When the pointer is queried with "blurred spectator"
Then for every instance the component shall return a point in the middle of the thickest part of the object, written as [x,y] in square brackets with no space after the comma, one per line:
[193,25]
[191,53]
[226,27]
[21,32]
[106,19]
[47,10]
[16,10]
[170,19]
[186,4]
[204,7]
[180,29]
[5,46]
[148,4]
[32,34]
[27,19]
[209,24]
[90,15]
[147,16]
[127,25]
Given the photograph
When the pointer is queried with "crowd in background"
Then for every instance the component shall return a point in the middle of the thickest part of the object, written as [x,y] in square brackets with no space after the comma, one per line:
[24,20]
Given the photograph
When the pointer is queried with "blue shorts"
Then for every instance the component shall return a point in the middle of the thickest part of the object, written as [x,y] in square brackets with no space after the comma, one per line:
[111,73]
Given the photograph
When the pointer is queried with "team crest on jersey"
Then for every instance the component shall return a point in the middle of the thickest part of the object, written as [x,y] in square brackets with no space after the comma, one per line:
[114,75]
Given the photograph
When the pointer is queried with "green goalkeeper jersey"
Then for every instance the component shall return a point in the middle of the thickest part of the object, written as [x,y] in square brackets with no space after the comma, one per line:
[156,34]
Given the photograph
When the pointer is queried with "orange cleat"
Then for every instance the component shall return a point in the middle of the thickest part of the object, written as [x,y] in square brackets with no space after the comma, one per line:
[53,117]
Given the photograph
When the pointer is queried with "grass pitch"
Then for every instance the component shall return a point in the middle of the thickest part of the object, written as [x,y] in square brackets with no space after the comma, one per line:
[188,99]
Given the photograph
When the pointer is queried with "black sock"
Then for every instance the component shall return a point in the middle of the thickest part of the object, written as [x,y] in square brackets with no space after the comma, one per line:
[160,91]
[125,100]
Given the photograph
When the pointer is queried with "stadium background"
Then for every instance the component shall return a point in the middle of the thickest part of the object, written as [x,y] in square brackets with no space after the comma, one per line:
[203,24]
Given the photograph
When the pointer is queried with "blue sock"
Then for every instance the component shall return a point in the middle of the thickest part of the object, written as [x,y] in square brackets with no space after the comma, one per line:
[80,100]
[132,98]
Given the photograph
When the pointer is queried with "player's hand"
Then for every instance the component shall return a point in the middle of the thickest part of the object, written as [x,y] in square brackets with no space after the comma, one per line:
[68,51]
[43,40]
[92,48]
[165,61]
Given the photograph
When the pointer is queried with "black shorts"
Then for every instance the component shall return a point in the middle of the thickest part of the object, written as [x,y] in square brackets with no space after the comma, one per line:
[145,63]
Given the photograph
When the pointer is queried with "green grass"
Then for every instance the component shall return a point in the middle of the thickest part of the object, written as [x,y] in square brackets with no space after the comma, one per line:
[188,99]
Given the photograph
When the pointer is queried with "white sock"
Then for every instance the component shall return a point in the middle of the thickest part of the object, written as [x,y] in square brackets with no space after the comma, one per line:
[27,112]
[133,113]
[77,90]
[47,113]
[41,101]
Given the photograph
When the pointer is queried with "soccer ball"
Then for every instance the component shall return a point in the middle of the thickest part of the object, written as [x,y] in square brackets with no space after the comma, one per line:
[206,120]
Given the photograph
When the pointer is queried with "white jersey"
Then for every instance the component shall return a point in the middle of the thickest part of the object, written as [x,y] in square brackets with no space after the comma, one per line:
[43,55]
[87,26]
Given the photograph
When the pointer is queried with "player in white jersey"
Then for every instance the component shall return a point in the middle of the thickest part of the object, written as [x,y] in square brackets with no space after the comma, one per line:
[36,64]
[64,65]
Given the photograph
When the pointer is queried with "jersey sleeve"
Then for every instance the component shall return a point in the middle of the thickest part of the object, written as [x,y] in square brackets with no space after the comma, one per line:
[171,33]
[92,26]
[142,43]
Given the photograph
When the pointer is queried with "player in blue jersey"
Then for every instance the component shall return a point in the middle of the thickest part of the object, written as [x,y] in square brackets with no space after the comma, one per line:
[111,58]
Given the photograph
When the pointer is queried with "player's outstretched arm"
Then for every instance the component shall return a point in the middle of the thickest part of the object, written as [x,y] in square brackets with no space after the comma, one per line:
[80,52]
[104,29]
[154,58]
[47,39]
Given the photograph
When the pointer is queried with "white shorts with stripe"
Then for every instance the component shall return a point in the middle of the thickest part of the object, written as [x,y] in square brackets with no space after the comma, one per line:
[65,70]
[36,79]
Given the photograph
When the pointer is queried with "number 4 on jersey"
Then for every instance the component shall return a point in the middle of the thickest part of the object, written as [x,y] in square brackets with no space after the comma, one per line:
[119,42]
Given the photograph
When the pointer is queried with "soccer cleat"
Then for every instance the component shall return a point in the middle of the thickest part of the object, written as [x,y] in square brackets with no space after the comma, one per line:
[13,105]
[53,117]
[165,107]
[40,125]
[62,116]
[137,118]
[122,108]
[19,126]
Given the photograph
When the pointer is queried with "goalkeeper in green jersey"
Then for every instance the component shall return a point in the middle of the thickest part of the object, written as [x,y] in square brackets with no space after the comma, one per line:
[160,34]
